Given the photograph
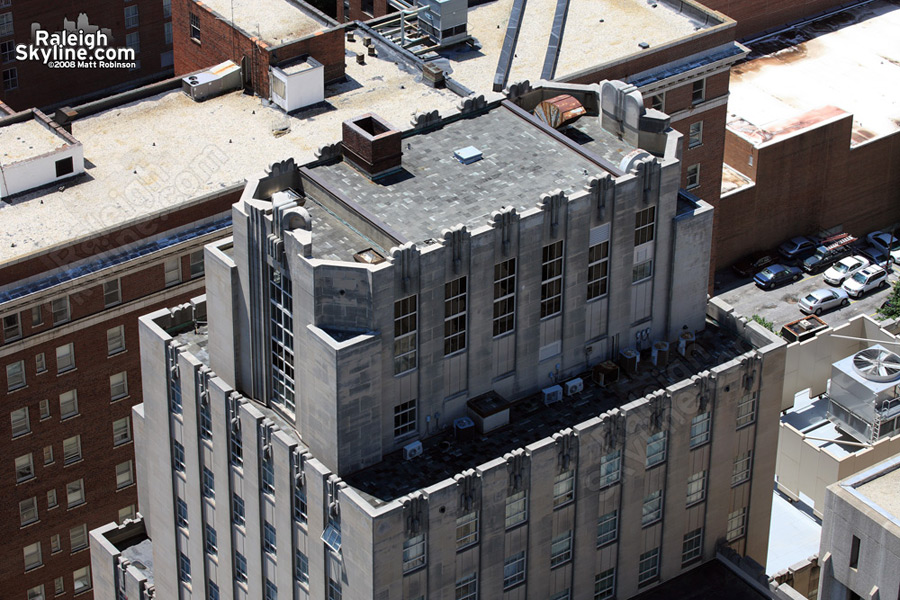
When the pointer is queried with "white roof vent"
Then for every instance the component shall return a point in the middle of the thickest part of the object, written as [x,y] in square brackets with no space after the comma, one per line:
[877,364]
[467,155]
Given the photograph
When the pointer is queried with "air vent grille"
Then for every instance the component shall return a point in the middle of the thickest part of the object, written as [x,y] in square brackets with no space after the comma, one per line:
[877,364]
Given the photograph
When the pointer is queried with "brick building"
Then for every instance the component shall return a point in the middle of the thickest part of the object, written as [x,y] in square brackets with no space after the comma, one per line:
[144,25]
[756,16]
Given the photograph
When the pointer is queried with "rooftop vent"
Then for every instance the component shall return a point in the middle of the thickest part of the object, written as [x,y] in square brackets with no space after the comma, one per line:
[560,110]
[368,256]
[372,145]
[877,364]
[467,155]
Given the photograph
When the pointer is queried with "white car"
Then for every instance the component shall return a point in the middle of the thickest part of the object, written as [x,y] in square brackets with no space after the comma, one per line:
[886,243]
[862,281]
[844,268]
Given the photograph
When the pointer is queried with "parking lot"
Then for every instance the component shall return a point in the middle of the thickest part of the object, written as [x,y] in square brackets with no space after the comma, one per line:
[780,305]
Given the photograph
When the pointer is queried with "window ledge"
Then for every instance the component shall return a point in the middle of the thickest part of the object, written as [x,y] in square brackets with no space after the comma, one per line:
[66,371]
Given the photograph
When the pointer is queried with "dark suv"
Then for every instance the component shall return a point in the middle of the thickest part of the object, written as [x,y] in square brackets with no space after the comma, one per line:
[824,258]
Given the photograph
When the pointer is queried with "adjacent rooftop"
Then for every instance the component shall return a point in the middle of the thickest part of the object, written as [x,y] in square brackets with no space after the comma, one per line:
[882,489]
[273,21]
[850,60]
[29,139]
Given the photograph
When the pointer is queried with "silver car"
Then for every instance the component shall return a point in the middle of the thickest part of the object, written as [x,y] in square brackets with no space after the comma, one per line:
[819,301]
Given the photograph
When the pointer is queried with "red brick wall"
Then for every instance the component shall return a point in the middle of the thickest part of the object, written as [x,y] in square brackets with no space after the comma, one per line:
[739,153]
[41,86]
[754,16]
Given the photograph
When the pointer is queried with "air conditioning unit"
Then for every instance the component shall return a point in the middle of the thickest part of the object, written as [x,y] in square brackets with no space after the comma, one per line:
[630,358]
[552,394]
[212,82]
[412,450]
[573,386]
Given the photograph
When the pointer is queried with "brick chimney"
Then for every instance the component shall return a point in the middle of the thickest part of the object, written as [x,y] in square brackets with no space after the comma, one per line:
[372,145]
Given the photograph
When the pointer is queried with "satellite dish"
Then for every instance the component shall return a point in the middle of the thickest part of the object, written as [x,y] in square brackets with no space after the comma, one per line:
[877,364]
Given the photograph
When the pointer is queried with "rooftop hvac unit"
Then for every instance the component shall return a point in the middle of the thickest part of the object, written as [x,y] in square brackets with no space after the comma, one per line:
[630,358]
[464,428]
[412,450]
[573,386]
[660,353]
[552,394]
[212,82]
[864,394]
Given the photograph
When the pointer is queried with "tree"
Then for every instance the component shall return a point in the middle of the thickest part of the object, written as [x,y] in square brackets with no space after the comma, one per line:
[891,308]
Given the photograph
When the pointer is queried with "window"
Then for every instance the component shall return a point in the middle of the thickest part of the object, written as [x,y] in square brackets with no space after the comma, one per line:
[72,449]
[564,488]
[211,587]
[454,316]
[178,456]
[610,468]
[82,579]
[240,567]
[60,309]
[271,591]
[746,409]
[78,537]
[467,530]
[11,327]
[7,51]
[695,137]
[173,270]
[605,584]
[648,566]
[237,448]
[184,568]
[40,363]
[504,297]
[48,455]
[692,546]
[658,101]
[281,323]
[121,431]
[268,476]
[516,509]
[269,538]
[467,587]
[112,292]
[167,9]
[64,166]
[652,509]
[405,331]
[561,549]
[196,260]
[607,528]
[693,176]
[237,510]
[37,316]
[698,91]
[300,514]
[55,543]
[124,474]
[195,27]
[301,567]
[736,524]
[167,32]
[563,595]
[51,499]
[28,511]
[65,358]
[741,470]
[20,422]
[656,448]
[700,429]
[59,586]
[598,270]
[175,394]
[68,404]
[854,552]
[332,536]
[404,419]
[118,386]
[205,421]
[126,513]
[24,468]
[75,493]
[32,554]
[115,340]
[334,589]
[181,513]
[644,226]
[551,279]
[209,483]
[44,407]
[642,271]
[131,16]
[10,79]
[696,487]
[15,375]
[514,570]
[413,552]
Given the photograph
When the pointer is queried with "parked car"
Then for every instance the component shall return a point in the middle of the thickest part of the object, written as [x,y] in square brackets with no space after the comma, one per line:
[818,301]
[876,255]
[845,268]
[775,275]
[870,278]
[824,258]
[752,264]
[886,243]
[797,248]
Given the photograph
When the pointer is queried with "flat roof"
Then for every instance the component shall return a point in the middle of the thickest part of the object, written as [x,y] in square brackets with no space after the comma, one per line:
[850,60]
[586,42]
[159,152]
[530,421]
[712,579]
[273,21]
[435,191]
[733,180]
[882,490]
[28,139]
[794,534]
[777,130]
